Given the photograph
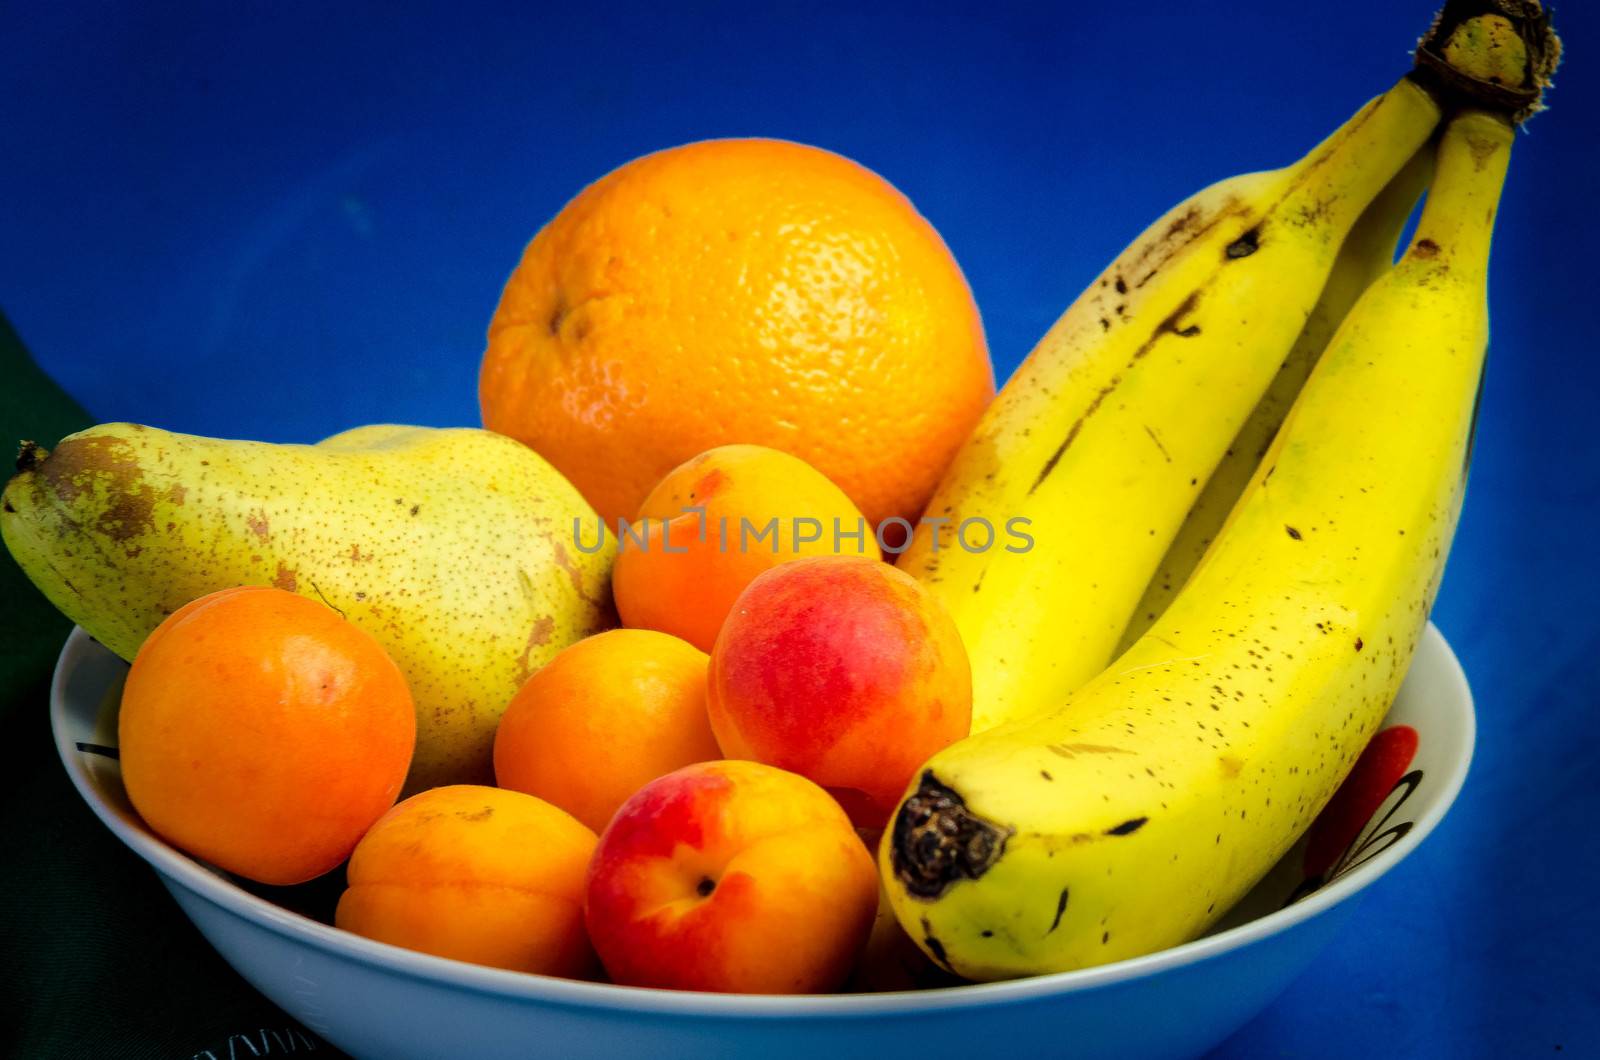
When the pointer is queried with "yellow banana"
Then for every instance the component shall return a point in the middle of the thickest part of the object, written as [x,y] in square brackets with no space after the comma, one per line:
[1367,253]
[1131,817]
[1098,445]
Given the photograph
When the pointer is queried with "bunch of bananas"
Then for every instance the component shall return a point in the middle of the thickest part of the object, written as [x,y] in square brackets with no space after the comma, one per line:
[1242,452]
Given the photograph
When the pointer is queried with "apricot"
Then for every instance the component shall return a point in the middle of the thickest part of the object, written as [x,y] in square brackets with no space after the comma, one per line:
[733,877]
[602,719]
[844,670]
[680,570]
[477,874]
[263,733]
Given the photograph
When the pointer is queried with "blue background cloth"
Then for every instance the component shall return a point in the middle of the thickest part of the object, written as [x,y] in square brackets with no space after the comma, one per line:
[283,221]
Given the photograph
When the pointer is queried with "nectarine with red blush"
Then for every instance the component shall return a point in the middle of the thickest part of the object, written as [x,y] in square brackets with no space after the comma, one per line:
[844,670]
[732,877]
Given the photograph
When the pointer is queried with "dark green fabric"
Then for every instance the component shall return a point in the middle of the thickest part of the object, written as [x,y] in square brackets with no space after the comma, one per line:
[95,958]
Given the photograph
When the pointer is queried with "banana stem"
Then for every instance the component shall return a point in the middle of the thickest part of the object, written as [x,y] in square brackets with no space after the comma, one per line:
[1496,55]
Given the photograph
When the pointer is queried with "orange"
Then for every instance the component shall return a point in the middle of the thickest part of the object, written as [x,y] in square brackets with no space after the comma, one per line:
[751,291]
[263,733]
[476,874]
[602,719]
[716,522]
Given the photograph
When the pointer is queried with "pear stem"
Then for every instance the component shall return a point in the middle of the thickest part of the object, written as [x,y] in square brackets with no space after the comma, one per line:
[29,456]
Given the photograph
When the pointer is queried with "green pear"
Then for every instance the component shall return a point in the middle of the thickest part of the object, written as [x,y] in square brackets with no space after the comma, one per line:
[459,550]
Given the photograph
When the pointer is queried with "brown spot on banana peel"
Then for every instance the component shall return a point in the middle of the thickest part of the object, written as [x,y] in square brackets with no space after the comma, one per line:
[1250,241]
[1128,827]
[1176,237]
[1072,433]
[1314,213]
[1184,221]
[1157,439]
[1246,245]
[1169,325]
[934,946]
[1061,907]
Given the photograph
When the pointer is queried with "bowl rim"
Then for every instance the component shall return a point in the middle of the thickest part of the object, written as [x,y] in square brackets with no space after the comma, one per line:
[178,868]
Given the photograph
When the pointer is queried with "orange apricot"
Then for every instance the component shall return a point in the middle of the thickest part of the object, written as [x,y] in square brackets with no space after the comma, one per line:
[263,733]
[602,719]
[715,523]
[477,874]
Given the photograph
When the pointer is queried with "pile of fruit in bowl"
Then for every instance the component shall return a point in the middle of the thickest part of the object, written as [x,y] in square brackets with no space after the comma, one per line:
[755,646]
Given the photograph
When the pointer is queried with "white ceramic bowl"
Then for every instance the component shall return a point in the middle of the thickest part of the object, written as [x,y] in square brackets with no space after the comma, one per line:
[375,1000]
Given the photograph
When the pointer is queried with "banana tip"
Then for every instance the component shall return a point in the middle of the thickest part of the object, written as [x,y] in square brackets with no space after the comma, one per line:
[937,840]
